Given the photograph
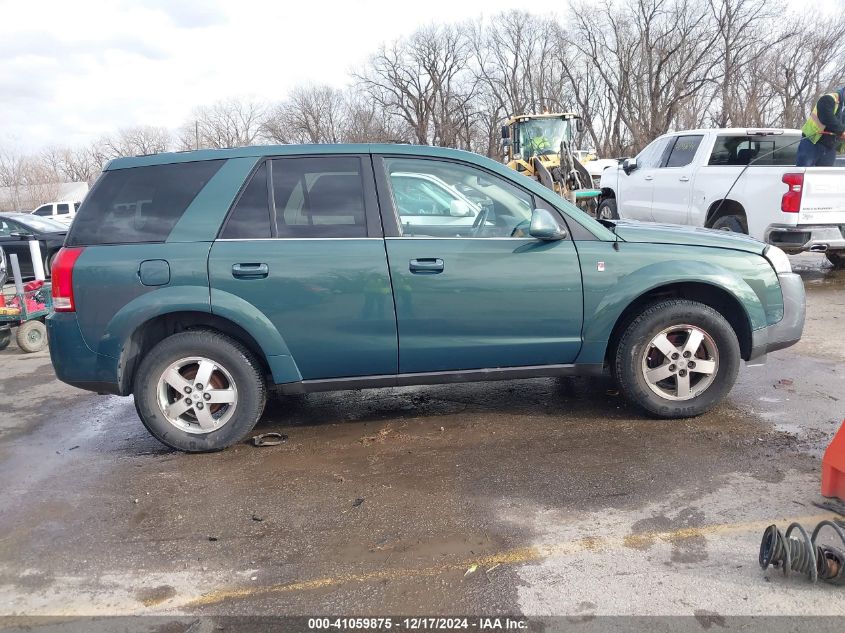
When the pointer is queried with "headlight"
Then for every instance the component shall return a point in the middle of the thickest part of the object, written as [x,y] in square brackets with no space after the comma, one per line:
[778,259]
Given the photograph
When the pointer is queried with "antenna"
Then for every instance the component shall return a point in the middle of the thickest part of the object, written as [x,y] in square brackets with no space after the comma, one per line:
[751,162]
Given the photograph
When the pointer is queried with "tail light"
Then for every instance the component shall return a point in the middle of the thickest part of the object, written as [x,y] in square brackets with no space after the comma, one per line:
[62,281]
[791,201]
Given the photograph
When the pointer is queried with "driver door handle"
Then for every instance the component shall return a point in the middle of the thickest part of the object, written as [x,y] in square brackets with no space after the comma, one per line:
[684,178]
[426,266]
[648,177]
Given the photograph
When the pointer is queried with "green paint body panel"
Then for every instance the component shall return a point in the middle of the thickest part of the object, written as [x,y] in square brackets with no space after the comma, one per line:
[637,268]
[111,300]
[497,303]
[334,308]
[330,300]
[687,235]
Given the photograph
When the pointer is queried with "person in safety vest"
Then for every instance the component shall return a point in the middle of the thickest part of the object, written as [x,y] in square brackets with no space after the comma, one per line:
[824,132]
[537,141]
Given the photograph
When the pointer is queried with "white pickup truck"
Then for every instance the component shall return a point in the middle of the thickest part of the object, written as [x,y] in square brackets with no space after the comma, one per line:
[742,180]
[62,212]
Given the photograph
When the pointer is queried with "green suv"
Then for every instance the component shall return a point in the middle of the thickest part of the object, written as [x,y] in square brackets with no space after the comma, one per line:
[194,281]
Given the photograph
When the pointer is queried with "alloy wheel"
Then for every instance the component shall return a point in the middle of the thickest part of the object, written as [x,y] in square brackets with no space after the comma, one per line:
[680,362]
[197,395]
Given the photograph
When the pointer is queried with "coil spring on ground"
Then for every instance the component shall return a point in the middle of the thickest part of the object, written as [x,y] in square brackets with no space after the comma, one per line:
[804,555]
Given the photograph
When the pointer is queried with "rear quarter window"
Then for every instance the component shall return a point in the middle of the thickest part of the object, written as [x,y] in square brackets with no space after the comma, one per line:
[139,204]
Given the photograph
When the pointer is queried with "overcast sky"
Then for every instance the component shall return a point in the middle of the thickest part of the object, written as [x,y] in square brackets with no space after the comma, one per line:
[72,71]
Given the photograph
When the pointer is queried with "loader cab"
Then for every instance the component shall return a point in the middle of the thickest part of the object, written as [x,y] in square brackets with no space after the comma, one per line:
[527,136]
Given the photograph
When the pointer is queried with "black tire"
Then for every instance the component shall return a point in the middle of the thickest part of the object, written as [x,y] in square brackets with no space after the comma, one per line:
[733,223]
[239,362]
[5,337]
[31,336]
[635,344]
[607,210]
[836,258]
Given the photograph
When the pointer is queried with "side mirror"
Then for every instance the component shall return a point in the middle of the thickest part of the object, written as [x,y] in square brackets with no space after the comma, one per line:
[459,209]
[545,227]
[506,131]
[629,165]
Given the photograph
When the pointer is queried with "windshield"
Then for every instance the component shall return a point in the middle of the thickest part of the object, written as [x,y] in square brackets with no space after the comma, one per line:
[543,136]
[37,223]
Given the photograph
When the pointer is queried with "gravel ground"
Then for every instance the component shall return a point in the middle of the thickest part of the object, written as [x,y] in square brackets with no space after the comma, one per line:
[539,497]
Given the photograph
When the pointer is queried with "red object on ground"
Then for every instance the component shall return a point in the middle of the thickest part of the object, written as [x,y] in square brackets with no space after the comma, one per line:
[833,466]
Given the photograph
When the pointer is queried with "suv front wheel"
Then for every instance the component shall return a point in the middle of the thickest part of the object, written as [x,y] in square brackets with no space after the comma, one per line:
[679,358]
[199,391]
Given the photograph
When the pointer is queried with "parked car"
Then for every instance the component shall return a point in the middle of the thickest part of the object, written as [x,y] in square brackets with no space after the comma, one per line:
[737,180]
[194,280]
[15,230]
[62,212]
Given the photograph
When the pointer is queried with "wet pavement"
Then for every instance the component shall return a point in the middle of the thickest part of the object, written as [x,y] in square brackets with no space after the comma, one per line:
[526,497]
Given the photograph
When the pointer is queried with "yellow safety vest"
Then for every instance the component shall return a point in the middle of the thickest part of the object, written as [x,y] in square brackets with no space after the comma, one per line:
[813,128]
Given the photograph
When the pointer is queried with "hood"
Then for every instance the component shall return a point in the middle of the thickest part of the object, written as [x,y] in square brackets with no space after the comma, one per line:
[646,232]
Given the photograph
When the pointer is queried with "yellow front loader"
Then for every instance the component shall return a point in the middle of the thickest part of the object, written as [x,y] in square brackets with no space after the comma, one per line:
[540,146]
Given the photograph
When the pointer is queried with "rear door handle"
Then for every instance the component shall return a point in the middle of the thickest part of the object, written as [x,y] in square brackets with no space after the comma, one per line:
[250,271]
[648,177]
[426,266]
[684,178]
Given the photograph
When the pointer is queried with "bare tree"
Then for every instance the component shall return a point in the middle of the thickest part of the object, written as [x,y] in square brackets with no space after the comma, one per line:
[423,81]
[225,123]
[366,122]
[806,65]
[739,25]
[26,181]
[312,114]
[651,56]
[138,141]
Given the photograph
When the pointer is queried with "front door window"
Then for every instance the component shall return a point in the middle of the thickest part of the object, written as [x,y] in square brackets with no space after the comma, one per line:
[442,199]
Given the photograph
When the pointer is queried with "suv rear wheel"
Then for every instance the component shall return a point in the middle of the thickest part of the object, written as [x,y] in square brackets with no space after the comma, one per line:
[677,359]
[199,391]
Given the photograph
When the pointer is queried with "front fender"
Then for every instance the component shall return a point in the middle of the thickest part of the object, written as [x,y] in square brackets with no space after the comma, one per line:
[606,296]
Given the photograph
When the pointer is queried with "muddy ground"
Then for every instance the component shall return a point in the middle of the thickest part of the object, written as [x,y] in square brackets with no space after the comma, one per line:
[540,497]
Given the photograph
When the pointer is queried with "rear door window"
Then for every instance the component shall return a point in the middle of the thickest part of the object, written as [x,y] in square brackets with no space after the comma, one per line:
[139,204]
[683,150]
[319,197]
[62,209]
[762,150]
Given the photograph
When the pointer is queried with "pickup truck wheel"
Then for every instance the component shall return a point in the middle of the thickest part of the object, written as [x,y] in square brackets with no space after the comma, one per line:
[199,391]
[733,223]
[836,258]
[677,359]
[607,210]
